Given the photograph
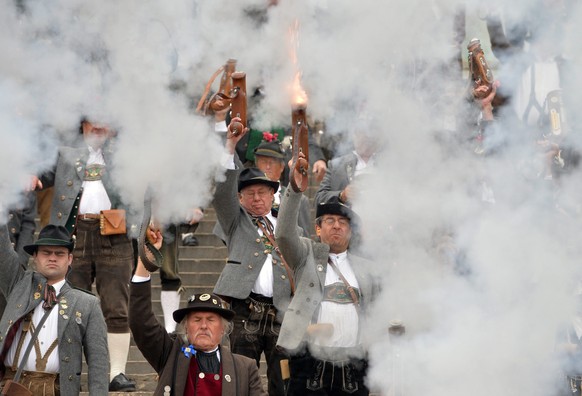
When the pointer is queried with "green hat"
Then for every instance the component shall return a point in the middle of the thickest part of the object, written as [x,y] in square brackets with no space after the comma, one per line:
[270,149]
[52,235]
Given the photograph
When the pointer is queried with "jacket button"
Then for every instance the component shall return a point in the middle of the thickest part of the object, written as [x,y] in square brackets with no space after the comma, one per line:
[69,341]
[10,216]
[19,306]
[1,338]
[69,183]
[63,197]
[258,240]
[308,299]
[66,359]
[13,230]
[283,277]
[250,266]
[311,284]
[274,261]
[70,377]
[59,215]
[256,254]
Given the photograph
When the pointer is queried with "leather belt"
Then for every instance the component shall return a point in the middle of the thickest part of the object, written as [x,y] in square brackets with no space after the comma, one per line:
[88,216]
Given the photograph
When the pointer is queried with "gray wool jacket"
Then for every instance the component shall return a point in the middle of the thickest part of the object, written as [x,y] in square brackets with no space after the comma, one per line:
[81,326]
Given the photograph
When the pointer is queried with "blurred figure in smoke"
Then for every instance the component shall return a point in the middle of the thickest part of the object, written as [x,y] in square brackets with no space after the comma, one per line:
[83,189]
[534,75]
[569,349]
[343,171]
[324,322]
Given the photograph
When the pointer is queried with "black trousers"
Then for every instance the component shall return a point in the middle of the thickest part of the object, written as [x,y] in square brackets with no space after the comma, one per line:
[310,376]
[255,331]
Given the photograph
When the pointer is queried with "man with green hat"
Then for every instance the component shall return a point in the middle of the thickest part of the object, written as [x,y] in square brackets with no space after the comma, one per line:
[270,158]
[74,325]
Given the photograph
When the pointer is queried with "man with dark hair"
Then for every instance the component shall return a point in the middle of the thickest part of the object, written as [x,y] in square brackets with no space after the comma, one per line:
[84,188]
[196,363]
[73,327]
[322,326]
[256,280]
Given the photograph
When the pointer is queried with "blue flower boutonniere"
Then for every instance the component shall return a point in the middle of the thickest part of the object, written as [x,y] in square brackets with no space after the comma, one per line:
[189,350]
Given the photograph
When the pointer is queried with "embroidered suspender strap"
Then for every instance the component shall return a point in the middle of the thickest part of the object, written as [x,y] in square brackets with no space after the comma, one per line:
[33,338]
[41,360]
[269,235]
[355,298]
[26,324]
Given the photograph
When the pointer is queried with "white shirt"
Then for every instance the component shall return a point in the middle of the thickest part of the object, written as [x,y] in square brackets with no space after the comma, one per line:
[94,198]
[264,283]
[341,316]
[46,337]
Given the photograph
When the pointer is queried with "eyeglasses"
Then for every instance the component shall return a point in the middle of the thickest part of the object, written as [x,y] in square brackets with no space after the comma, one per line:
[252,194]
[341,220]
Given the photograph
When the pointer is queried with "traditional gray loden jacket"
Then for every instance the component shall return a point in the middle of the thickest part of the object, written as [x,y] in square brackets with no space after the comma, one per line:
[81,326]
[308,259]
[67,178]
[340,172]
[246,250]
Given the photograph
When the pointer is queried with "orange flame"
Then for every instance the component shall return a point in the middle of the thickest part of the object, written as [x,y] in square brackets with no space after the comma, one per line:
[298,94]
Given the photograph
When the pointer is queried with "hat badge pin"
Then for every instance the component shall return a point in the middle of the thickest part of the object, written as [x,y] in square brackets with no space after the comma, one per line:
[205,297]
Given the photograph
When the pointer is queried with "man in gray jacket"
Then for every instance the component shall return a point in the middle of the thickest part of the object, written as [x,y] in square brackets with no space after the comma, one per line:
[256,281]
[84,187]
[74,326]
[323,324]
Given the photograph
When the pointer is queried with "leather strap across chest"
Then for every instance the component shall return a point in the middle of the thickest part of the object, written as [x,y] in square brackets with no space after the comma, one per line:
[270,237]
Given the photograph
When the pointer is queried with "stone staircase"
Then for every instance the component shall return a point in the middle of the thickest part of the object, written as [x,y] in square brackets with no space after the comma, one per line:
[200,267]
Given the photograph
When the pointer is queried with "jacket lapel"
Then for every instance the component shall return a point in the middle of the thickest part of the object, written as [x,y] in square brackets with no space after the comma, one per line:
[228,372]
[81,163]
[321,254]
[65,309]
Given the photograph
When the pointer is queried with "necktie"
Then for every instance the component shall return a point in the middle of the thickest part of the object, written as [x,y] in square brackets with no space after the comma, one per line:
[208,362]
[50,297]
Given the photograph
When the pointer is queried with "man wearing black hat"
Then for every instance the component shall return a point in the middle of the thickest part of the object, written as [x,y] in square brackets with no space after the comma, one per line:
[324,322]
[84,197]
[74,325]
[256,280]
[196,363]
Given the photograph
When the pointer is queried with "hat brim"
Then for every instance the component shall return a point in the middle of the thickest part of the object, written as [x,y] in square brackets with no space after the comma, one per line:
[31,249]
[180,314]
[273,184]
[337,209]
[269,153]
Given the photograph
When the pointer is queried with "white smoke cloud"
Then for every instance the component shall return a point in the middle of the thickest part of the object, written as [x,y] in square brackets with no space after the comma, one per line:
[489,331]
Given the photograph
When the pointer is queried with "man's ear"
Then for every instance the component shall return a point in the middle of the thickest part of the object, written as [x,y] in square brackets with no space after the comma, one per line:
[317,230]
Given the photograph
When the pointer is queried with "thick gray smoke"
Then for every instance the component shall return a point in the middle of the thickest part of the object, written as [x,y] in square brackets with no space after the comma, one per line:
[386,67]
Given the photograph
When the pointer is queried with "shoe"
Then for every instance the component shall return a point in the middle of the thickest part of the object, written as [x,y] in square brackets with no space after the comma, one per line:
[189,240]
[121,383]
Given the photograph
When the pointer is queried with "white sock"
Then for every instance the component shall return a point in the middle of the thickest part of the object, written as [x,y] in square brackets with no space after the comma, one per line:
[118,351]
[170,302]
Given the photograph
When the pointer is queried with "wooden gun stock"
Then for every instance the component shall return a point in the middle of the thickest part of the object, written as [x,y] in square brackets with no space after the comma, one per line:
[300,145]
[220,100]
[480,72]
[239,102]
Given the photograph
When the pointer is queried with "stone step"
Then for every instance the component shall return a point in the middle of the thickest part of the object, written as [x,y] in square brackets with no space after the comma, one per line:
[202,252]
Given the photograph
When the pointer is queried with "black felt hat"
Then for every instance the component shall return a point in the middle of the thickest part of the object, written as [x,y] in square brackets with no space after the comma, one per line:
[271,149]
[204,303]
[250,176]
[52,235]
[336,207]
